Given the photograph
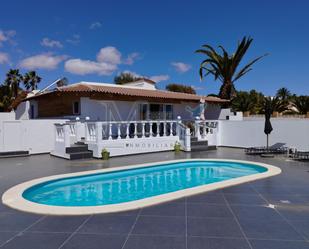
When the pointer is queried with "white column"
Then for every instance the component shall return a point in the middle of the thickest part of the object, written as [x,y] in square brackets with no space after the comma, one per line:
[119,130]
[158,128]
[110,131]
[98,131]
[66,129]
[188,140]
[204,129]
[150,129]
[135,130]
[143,129]
[127,130]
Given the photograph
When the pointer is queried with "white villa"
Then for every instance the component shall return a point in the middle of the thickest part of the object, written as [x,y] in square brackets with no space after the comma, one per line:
[82,119]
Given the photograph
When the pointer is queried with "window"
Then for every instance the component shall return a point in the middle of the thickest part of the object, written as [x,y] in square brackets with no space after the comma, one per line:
[169,112]
[143,111]
[76,107]
[32,112]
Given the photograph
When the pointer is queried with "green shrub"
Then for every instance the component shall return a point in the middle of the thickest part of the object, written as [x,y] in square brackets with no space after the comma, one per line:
[105,154]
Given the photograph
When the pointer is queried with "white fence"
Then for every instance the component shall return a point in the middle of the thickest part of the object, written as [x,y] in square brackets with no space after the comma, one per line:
[35,136]
[247,133]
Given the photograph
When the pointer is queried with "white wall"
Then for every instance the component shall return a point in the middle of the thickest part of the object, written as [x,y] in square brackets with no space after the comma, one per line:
[35,136]
[7,116]
[246,133]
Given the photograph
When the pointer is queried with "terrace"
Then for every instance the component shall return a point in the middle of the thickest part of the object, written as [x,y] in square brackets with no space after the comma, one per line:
[239,217]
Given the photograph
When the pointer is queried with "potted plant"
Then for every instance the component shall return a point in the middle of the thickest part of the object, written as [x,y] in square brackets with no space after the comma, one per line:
[105,154]
[177,147]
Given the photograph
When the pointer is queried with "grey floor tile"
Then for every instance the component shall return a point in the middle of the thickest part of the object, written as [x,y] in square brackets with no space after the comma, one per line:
[294,212]
[240,189]
[17,221]
[218,227]
[256,212]
[209,198]
[36,241]
[244,199]
[58,224]
[269,229]
[5,236]
[151,225]
[95,241]
[208,210]
[216,243]
[166,209]
[155,242]
[273,244]
[110,224]
[302,226]
[281,199]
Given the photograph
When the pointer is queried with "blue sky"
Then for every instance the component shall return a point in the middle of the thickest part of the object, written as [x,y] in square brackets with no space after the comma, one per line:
[95,40]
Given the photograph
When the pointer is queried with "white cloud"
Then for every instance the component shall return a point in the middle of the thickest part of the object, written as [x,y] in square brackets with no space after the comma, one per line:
[181,67]
[74,40]
[42,61]
[4,58]
[109,55]
[46,42]
[83,67]
[131,58]
[7,36]
[159,78]
[95,25]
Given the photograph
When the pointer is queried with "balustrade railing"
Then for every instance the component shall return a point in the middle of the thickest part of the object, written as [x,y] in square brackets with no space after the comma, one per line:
[130,130]
[205,128]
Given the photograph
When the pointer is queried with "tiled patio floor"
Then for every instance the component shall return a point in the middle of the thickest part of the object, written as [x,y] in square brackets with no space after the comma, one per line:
[232,218]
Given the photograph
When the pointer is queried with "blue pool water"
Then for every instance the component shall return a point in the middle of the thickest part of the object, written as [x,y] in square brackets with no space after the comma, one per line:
[134,184]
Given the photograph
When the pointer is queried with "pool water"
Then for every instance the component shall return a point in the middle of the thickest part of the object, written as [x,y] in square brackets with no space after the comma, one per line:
[135,184]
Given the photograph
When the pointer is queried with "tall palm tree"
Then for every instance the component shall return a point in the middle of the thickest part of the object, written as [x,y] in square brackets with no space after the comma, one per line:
[283,93]
[302,104]
[13,79]
[223,66]
[31,80]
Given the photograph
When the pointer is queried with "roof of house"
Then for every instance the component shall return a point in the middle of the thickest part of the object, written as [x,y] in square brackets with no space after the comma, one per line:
[124,90]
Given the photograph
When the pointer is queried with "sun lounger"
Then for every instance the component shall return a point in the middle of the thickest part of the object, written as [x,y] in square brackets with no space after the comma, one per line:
[300,155]
[277,148]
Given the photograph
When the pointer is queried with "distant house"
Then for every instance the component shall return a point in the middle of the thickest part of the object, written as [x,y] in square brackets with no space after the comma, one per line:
[138,100]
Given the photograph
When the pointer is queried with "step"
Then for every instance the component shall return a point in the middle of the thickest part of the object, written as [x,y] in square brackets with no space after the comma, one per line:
[14,153]
[202,148]
[81,155]
[77,148]
[199,143]
[193,139]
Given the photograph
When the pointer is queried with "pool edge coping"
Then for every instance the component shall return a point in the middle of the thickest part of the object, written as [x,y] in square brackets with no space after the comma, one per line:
[14,199]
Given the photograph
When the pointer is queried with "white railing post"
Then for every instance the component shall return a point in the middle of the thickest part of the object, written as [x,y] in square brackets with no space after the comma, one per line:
[150,129]
[143,129]
[204,130]
[110,131]
[119,131]
[171,128]
[187,140]
[158,129]
[164,128]
[127,130]
[98,131]
[135,129]
[66,129]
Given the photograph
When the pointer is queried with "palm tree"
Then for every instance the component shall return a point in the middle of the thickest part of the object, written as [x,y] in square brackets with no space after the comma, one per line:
[283,93]
[31,80]
[242,102]
[13,79]
[302,104]
[223,66]
[125,77]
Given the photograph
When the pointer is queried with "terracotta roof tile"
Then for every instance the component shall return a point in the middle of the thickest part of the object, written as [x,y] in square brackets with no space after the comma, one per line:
[132,91]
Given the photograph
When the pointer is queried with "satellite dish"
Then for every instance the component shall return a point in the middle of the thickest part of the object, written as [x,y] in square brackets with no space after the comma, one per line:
[62,82]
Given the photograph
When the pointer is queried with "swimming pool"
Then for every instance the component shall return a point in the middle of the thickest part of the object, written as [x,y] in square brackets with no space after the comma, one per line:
[130,187]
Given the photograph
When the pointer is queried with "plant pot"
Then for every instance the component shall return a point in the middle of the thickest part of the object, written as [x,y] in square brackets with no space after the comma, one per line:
[307,115]
[246,114]
[275,114]
[105,155]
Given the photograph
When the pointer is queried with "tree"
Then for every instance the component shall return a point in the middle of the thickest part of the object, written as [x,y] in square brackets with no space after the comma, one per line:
[180,88]
[5,98]
[302,104]
[276,104]
[242,102]
[13,79]
[223,66]
[283,93]
[124,77]
[31,80]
